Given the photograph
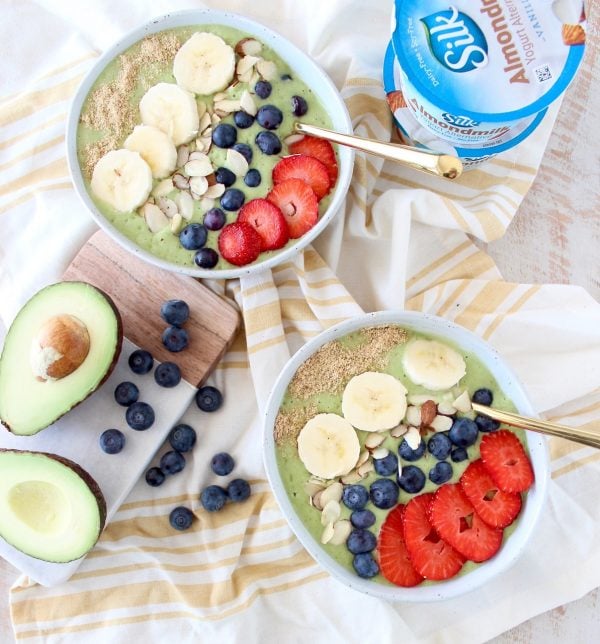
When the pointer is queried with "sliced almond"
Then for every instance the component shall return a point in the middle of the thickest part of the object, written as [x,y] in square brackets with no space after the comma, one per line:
[214,120]
[381,452]
[446,408]
[198,186]
[365,468]
[351,478]
[236,162]
[374,440]
[181,182]
[183,154]
[327,534]
[185,204]
[463,402]
[247,103]
[362,458]
[201,108]
[398,431]
[413,416]
[156,220]
[316,500]
[267,69]
[418,399]
[246,76]
[163,188]
[176,224]
[312,487]
[332,492]
[204,122]
[245,64]
[227,106]
[413,437]
[254,78]
[441,423]
[248,47]
[206,203]
[168,206]
[199,167]
[211,179]
[341,531]
[428,412]
[215,191]
[219,96]
[293,138]
[206,143]
[331,511]
[197,155]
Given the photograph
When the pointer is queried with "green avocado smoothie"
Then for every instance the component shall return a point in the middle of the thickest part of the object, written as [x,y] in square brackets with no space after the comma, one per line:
[111,111]
[317,388]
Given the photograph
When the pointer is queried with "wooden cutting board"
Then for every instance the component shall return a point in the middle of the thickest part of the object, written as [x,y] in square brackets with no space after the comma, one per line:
[138,289]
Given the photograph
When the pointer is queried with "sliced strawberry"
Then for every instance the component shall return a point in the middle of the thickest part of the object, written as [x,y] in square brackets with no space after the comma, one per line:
[298,203]
[506,461]
[239,243]
[455,519]
[394,562]
[268,221]
[319,149]
[309,169]
[431,556]
[495,507]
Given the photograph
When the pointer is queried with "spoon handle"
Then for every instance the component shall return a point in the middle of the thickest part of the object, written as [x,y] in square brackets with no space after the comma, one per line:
[437,163]
[579,435]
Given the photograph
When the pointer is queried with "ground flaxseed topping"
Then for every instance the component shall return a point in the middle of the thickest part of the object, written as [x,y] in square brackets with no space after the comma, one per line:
[110,110]
[290,421]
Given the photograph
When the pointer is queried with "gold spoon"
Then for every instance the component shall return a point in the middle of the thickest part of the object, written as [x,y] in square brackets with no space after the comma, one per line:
[579,435]
[437,163]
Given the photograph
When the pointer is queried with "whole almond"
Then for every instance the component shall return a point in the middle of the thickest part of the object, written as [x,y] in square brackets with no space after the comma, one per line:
[428,412]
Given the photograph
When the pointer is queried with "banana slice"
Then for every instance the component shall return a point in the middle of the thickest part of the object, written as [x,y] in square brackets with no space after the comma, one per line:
[172,110]
[204,64]
[123,179]
[328,446]
[374,401]
[155,147]
[433,364]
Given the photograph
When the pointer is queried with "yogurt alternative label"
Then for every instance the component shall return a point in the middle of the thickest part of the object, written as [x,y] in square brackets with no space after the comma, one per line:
[486,64]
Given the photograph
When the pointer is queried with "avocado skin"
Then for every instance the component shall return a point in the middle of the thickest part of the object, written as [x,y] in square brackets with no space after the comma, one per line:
[85,476]
[111,367]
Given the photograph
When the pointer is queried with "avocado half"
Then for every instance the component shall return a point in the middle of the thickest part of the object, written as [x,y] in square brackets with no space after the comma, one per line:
[50,508]
[63,344]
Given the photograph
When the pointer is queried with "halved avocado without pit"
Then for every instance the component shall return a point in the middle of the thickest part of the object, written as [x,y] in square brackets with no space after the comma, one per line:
[63,344]
[50,508]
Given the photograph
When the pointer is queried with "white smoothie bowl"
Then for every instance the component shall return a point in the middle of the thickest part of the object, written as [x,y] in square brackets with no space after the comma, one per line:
[525,523]
[305,68]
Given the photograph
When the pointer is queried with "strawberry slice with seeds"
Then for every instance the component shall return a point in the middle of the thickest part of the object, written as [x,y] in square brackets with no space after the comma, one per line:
[268,221]
[309,169]
[430,555]
[239,243]
[394,562]
[298,203]
[454,517]
[319,149]
[496,507]
[506,461]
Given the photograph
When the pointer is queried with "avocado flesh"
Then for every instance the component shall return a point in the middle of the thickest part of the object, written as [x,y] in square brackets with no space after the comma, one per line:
[50,508]
[28,405]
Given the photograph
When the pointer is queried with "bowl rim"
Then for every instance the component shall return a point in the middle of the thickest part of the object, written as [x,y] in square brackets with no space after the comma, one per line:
[507,380]
[285,49]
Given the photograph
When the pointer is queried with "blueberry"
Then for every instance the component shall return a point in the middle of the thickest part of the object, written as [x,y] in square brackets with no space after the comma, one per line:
[360,541]
[206,258]
[387,465]
[269,117]
[263,89]
[440,472]
[222,464]
[174,339]
[172,462]
[155,476]
[224,135]
[112,441]
[193,236]
[459,454]
[215,219]
[181,518]
[175,312]
[232,199]
[286,77]
[252,178]
[245,150]
[412,479]
[225,176]
[365,566]
[243,119]
[238,490]
[384,493]
[209,398]
[268,143]
[182,437]
[463,432]
[213,498]
[167,374]
[139,416]
[299,106]
[362,518]
[355,497]
[140,361]
[410,454]
[483,397]
[126,393]
[485,424]
[440,445]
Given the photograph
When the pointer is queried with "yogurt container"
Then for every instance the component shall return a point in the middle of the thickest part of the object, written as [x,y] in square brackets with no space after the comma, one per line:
[475,72]
[415,134]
